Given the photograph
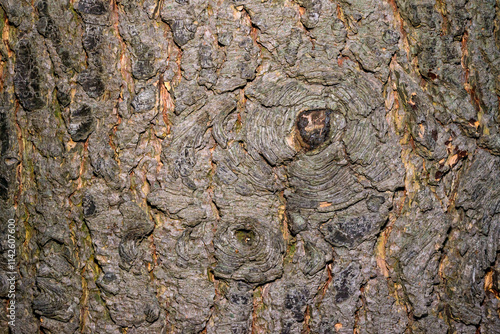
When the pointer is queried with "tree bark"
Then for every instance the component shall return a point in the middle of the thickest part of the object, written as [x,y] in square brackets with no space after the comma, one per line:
[233,166]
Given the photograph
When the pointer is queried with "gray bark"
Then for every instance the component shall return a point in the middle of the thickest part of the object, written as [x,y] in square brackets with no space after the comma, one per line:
[233,166]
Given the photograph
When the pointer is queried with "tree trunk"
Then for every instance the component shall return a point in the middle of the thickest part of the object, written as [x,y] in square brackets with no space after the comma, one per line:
[245,166]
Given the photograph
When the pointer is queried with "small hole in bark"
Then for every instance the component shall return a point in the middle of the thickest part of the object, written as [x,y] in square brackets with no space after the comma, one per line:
[245,237]
[313,127]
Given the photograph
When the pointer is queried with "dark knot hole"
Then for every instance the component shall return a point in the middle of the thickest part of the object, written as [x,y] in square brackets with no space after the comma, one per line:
[245,237]
[313,127]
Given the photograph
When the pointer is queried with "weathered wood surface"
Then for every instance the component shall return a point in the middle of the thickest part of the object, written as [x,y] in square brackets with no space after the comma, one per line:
[274,166]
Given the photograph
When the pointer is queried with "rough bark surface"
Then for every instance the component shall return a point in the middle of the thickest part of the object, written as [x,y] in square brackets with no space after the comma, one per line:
[233,166]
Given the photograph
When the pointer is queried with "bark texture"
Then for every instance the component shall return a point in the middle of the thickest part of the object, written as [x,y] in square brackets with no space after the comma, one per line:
[234,166]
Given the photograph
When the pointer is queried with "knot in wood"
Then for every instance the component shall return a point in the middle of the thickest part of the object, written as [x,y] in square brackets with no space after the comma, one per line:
[313,127]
